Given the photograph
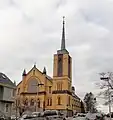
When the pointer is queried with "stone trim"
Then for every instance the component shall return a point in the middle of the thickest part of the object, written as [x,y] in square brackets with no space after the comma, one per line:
[61,92]
[39,93]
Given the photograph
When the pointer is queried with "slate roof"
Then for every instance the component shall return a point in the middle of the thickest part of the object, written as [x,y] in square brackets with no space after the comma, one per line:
[5,81]
[48,77]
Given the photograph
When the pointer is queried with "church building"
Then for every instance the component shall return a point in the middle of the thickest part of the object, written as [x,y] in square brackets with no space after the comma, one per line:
[39,92]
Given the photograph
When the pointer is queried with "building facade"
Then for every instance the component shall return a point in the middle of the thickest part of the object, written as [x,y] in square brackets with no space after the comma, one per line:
[38,92]
[7,95]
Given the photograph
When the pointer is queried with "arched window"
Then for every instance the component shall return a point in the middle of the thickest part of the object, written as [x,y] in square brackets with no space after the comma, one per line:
[60,65]
[69,100]
[50,101]
[59,100]
[32,102]
[59,86]
[32,86]
[38,103]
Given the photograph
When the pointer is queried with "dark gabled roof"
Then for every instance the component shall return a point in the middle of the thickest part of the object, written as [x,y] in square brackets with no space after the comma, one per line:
[5,81]
[48,77]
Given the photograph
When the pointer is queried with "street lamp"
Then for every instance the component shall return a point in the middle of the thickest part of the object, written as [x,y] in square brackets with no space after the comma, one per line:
[109,95]
[37,93]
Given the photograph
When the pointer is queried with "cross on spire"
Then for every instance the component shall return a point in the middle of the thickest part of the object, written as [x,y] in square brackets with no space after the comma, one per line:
[63,35]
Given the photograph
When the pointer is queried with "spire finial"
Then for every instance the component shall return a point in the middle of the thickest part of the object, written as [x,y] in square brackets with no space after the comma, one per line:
[44,71]
[24,73]
[35,64]
[63,36]
[63,19]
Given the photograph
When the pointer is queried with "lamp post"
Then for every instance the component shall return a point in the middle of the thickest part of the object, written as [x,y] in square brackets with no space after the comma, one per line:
[37,94]
[109,95]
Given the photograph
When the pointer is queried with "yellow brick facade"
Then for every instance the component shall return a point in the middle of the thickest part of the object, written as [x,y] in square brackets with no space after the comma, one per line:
[38,92]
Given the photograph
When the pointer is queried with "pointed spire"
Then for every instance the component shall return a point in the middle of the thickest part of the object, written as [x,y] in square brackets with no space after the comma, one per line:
[24,73]
[35,64]
[14,82]
[63,35]
[44,71]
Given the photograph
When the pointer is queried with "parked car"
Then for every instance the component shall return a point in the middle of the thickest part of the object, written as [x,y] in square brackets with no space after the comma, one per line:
[53,114]
[94,116]
[13,117]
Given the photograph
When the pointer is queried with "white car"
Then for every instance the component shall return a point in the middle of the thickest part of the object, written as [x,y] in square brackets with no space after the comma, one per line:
[36,114]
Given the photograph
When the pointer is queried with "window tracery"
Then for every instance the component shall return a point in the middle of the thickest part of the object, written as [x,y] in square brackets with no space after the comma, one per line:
[32,86]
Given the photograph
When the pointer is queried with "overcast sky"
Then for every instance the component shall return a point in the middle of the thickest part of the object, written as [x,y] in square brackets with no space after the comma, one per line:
[30,31]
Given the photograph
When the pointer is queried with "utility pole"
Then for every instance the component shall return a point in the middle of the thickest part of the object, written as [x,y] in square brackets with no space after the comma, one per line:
[109,93]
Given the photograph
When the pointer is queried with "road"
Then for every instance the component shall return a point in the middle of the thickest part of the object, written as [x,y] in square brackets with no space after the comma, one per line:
[82,118]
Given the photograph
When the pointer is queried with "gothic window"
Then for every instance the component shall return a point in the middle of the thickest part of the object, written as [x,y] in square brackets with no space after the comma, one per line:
[59,86]
[32,102]
[32,86]
[69,66]
[59,100]
[49,89]
[7,107]
[50,101]
[38,103]
[69,101]
[60,65]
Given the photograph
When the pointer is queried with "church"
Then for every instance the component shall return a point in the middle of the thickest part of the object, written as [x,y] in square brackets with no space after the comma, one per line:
[39,92]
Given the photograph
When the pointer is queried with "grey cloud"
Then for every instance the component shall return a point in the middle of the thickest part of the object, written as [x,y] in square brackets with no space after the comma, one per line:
[30,31]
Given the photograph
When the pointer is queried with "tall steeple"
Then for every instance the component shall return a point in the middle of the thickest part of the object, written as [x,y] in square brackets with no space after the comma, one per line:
[63,49]
[63,36]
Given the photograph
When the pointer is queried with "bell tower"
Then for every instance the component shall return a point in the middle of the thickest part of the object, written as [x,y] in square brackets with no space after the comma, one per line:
[62,77]
[62,60]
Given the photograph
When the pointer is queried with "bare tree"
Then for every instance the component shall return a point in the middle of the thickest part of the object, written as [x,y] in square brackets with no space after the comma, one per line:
[105,82]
